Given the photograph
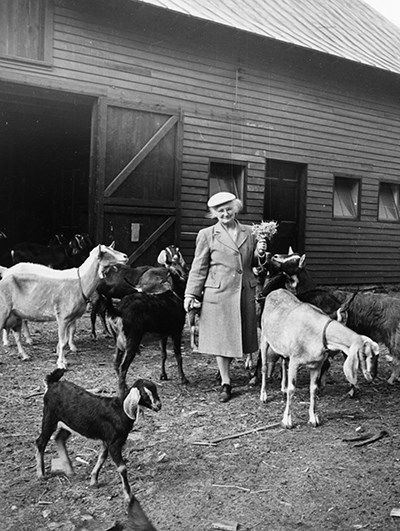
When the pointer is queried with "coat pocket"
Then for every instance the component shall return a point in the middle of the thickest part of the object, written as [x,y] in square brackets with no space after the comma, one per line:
[212,283]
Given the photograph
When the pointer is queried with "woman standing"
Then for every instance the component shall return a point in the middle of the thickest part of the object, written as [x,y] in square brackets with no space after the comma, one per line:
[222,278]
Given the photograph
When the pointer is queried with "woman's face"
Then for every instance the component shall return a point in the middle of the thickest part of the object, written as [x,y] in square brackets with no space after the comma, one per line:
[225,213]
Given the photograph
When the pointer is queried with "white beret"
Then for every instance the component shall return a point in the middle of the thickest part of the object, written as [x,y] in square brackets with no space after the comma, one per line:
[219,199]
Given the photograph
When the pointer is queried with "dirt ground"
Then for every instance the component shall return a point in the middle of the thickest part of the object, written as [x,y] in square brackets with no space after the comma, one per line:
[270,480]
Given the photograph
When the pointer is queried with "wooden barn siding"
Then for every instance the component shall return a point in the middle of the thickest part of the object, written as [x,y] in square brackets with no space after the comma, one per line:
[275,109]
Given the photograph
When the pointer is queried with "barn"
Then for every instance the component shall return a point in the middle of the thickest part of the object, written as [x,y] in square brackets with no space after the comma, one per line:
[120,117]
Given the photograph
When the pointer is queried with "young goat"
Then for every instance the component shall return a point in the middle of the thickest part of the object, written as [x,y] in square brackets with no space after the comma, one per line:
[304,335]
[69,408]
[38,293]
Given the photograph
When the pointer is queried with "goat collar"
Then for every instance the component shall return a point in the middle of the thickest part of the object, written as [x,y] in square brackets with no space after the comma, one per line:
[324,340]
[86,299]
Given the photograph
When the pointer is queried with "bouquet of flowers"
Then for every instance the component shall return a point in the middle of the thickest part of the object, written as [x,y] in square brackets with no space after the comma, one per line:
[265,230]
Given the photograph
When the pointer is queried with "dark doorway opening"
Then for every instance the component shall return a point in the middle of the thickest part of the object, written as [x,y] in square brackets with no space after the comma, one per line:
[284,202]
[44,161]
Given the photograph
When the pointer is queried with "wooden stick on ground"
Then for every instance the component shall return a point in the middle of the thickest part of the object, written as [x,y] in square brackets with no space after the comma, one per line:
[248,432]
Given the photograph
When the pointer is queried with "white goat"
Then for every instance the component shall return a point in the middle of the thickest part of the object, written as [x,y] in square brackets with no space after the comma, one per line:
[38,293]
[304,335]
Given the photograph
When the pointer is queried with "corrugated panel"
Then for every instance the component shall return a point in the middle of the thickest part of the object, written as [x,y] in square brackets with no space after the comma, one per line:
[348,29]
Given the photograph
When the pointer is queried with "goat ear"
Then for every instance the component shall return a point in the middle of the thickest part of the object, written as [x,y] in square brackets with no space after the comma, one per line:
[290,251]
[342,316]
[350,366]
[131,403]
[162,257]
[302,262]
[112,245]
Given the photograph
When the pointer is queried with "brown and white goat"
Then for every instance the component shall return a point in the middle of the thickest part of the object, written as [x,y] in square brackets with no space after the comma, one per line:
[376,315]
[304,335]
[69,408]
[38,293]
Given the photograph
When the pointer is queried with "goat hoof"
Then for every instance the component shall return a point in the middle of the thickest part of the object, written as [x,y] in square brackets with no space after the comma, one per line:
[185,381]
[263,397]
[26,358]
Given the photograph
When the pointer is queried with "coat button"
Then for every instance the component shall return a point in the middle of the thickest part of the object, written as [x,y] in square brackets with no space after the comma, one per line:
[239,271]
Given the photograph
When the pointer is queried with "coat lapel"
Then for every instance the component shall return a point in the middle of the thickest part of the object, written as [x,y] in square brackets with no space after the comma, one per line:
[225,239]
[242,236]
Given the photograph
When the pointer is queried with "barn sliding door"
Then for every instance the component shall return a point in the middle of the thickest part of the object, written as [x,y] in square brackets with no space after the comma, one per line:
[138,181]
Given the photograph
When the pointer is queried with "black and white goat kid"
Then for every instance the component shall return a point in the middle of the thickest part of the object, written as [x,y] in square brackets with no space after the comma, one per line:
[69,408]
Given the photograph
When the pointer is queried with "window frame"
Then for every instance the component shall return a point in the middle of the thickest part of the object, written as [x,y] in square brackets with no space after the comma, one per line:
[397,206]
[356,180]
[46,39]
[240,191]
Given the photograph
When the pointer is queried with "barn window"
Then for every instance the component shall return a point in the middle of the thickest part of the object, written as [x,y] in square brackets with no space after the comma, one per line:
[389,202]
[346,194]
[228,176]
[26,30]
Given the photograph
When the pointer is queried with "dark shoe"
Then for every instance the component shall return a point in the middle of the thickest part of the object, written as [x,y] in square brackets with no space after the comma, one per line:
[226,393]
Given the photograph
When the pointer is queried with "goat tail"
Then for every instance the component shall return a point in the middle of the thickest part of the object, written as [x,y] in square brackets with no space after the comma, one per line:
[137,518]
[54,377]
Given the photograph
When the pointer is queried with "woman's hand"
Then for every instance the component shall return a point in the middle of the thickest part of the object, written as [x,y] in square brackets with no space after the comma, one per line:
[188,303]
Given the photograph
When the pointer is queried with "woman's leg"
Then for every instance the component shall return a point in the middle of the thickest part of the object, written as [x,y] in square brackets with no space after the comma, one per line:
[224,366]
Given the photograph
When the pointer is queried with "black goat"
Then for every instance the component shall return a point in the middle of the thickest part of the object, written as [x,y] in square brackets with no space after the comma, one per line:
[58,256]
[126,280]
[116,284]
[68,408]
[141,313]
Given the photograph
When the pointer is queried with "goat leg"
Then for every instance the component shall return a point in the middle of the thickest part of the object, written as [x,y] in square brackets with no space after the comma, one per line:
[25,331]
[314,379]
[177,340]
[71,333]
[263,354]
[21,351]
[115,453]
[291,389]
[102,456]
[62,344]
[49,425]
[163,347]
[60,439]
[132,347]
